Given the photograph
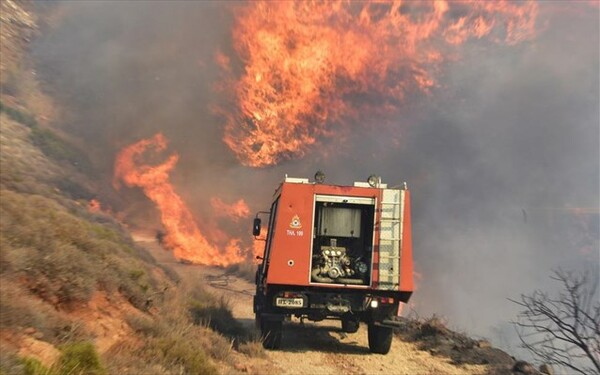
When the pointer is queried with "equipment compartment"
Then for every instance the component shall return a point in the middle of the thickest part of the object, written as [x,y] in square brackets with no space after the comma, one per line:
[342,240]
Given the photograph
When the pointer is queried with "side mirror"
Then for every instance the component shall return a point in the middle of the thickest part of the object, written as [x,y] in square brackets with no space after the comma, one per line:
[256,227]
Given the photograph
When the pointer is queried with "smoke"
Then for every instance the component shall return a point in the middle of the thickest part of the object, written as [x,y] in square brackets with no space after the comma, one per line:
[510,148]
[502,156]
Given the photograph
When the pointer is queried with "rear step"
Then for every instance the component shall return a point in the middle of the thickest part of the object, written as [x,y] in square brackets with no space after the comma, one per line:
[389,323]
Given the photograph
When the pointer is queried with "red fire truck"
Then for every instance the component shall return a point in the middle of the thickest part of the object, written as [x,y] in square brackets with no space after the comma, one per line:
[335,252]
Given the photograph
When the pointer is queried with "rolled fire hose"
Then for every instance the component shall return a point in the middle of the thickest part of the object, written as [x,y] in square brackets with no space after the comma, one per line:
[315,275]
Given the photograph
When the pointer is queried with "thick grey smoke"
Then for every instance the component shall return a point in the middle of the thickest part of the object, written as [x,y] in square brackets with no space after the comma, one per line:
[499,157]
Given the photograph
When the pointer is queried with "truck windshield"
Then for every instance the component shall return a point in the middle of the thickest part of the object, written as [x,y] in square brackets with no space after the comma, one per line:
[271,232]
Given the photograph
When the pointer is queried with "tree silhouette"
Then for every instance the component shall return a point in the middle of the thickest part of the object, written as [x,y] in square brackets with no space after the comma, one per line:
[563,330]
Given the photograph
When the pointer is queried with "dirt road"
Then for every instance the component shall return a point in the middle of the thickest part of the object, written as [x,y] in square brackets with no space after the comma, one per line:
[314,348]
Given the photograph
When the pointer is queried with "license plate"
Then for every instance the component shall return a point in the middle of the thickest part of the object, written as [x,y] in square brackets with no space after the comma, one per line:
[289,302]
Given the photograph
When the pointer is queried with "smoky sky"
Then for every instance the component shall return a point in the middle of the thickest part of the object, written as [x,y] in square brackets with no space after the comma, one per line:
[498,157]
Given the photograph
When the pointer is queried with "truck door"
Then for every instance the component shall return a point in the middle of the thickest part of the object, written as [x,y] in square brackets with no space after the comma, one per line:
[270,234]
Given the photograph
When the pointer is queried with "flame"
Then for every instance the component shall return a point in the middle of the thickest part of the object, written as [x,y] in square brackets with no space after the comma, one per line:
[94,206]
[308,65]
[236,211]
[182,233]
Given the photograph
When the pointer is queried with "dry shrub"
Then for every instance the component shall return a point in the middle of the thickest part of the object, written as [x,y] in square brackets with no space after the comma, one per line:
[175,351]
[10,364]
[48,141]
[58,149]
[80,358]
[32,366]
[64,258]
[18,309]
[434,326]
[24,167]
[214,313]
[146,325]
[123,358]
[19,116]
[170,341]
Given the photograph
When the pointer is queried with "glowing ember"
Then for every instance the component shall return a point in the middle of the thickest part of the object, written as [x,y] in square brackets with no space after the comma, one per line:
[182,233]
[308,65]
[236,211]
[94,206]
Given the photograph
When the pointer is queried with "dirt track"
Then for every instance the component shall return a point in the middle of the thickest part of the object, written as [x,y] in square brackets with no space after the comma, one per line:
[314,348]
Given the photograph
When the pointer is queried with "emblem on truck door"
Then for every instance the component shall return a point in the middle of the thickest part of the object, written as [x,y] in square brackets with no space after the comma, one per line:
[296,224]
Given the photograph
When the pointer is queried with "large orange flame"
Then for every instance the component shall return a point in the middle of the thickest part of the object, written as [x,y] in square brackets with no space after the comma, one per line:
[235,211]
[307,65]
[182,233]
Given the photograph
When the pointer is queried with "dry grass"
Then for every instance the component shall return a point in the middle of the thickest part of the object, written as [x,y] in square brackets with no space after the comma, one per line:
[216,314]
[170,342]
[253,349]
[78,358]
[246,270]
[20,310]
[24,167]
[49,142]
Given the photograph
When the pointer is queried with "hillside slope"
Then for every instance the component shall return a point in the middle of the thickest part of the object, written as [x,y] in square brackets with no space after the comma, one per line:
[77,294]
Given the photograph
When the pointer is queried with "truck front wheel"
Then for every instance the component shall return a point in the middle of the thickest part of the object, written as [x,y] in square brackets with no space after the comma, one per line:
[270,331]
[380,339]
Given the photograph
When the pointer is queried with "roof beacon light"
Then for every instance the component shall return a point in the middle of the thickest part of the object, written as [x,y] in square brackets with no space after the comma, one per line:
[319,177]
[373,180]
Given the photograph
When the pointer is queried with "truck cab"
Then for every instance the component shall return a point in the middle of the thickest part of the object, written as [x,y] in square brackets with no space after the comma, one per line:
[335,252]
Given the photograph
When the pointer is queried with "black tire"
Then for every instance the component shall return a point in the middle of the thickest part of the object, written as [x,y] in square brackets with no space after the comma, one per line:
[270,331]
[380,339]
[349,325]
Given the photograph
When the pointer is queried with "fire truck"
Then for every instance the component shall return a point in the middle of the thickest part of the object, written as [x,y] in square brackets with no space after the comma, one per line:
[335,252]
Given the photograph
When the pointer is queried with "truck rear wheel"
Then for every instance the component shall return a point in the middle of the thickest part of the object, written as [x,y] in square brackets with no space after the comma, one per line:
[270,331]
[380,339]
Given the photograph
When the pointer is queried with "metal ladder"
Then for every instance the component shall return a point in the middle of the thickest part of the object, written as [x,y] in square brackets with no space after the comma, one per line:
[390,235]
